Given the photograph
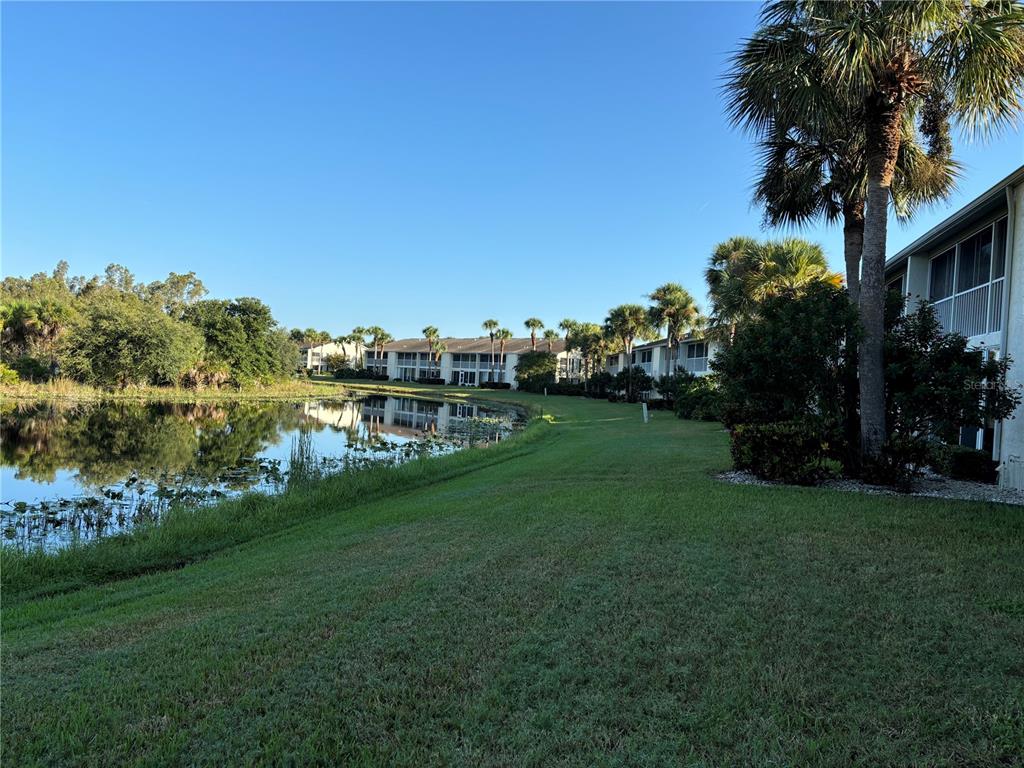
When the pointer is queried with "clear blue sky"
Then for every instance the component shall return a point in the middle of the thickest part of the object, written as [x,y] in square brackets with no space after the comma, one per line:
[394,164]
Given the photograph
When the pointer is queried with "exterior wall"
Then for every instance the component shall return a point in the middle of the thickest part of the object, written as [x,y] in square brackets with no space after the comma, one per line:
[511,361]
[1011,432]
[313,357]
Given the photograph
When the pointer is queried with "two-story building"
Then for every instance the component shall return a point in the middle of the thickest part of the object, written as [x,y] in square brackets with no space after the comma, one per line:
[314,357]
[466,362]
[690,354]
[970,268]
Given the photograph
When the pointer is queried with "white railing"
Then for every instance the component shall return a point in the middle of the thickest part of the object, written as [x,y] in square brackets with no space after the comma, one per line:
[995,306]
[972,312]
[695,364]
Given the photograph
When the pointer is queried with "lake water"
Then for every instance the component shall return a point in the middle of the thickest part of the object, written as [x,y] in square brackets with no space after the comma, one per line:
[74,472]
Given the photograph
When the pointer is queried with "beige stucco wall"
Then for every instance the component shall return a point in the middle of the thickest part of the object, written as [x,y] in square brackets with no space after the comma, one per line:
[1012,430]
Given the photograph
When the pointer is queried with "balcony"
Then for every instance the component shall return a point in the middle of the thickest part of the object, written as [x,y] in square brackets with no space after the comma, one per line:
[973,312]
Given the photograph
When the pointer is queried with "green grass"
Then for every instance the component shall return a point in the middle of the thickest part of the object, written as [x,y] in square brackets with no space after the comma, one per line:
[598,599]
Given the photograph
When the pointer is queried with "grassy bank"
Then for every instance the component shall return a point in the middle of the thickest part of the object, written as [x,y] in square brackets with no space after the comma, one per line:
[186,535]
[600,599]
[65,389]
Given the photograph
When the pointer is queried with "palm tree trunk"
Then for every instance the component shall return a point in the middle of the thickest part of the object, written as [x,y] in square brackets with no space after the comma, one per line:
[883,140]
[853,245]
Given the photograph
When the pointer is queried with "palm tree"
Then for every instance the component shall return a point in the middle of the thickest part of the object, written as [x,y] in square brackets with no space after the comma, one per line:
[491,326]
[892,61]
[439,348]
[431,334]
[502,335]
[358,338]
[589,339]
[378,338]
[534,324]
[551,336]
[567,326]
[742,273]
[674,310]
[627,323]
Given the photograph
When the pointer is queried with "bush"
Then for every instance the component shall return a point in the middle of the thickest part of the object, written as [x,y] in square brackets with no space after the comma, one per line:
[31,368]
[430,380]
[900,461]
[536,370]
[791,451]
[364,374]
[971,464]
[8,375]
[495,385]
[566,388]
[632,382]
[697,398]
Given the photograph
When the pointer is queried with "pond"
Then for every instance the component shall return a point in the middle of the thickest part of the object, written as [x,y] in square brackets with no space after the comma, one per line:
[77,472]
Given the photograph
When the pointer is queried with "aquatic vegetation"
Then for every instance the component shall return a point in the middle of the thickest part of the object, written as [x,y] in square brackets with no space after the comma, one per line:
[76,472]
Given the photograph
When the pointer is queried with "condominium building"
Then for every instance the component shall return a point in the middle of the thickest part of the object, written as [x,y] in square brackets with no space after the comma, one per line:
[466,362]
[690,354]
[971,269]
[314,357]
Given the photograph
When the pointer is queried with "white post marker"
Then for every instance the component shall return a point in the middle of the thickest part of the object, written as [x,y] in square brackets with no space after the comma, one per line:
[545,391]
[644,406]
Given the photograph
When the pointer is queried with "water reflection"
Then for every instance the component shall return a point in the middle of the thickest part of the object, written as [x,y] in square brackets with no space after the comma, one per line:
[87,470]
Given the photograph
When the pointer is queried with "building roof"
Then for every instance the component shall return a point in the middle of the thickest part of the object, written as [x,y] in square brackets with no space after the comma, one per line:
[481,344]
[982,206]
[663,342]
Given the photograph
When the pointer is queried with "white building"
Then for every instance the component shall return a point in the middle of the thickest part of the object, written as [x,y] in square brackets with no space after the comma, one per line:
[314,357]
[690,354]
[971,268]
[467,362]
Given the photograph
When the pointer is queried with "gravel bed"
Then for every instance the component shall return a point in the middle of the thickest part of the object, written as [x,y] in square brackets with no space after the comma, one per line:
[930,486]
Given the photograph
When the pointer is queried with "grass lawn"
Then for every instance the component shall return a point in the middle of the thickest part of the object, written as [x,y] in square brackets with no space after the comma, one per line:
[596,599]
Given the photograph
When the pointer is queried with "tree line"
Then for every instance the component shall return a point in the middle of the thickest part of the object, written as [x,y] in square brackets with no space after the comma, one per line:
[112,330]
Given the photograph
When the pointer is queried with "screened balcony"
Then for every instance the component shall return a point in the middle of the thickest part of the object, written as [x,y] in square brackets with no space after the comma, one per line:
[967,283]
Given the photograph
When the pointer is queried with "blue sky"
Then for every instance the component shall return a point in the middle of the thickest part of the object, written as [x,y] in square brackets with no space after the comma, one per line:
[397,164]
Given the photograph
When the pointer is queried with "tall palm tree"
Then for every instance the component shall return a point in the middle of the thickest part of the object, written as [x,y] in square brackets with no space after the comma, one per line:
[439,348]
[551,336]
[944,60]
[567,326]
[431,334]
[378,338]
[627,323]
[491,326]
[590,340]
[358,338]
[502,335]
[674,310]
[534,324]
[742,273]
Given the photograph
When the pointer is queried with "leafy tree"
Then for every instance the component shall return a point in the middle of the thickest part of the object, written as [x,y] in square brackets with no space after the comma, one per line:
[787,362]
[536,370]
[633,380]
[121,341]
[947,61]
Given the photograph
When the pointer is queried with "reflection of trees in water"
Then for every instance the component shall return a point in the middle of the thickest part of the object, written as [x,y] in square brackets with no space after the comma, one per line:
[107,442]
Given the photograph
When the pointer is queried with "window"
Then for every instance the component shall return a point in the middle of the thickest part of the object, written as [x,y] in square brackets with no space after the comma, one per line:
[999,251]
[940,283]
[975,261]
[694,351]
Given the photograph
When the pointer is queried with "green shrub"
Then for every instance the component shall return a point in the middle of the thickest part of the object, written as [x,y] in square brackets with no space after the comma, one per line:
[8,375]
[535,371]
[899,462]
[971,464]
[791,452]
[31,369]
[698,399]
[494,385]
